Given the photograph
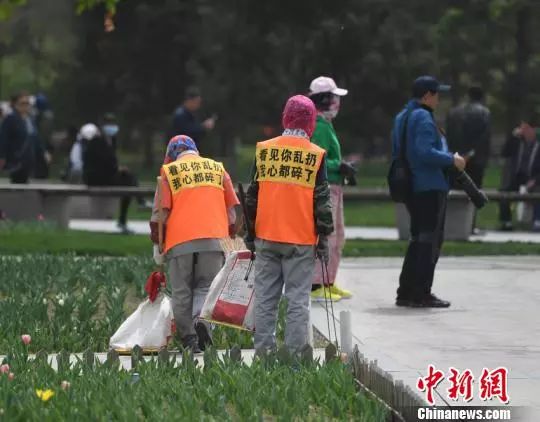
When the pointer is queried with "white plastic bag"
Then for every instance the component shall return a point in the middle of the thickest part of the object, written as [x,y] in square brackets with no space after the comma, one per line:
[231,298]
[151,326]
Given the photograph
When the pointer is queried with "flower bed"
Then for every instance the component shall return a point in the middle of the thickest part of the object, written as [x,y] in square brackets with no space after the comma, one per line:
[75,303]
[223,389]
[67,303]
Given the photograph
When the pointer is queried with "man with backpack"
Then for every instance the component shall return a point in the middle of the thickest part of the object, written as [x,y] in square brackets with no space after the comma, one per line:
[428,159]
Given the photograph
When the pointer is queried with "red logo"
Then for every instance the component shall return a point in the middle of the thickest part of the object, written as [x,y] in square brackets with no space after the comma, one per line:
[492,384]
[428,383]
[461,384]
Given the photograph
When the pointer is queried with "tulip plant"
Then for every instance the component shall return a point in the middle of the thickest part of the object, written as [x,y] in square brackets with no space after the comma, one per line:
[221,390]
[68,303]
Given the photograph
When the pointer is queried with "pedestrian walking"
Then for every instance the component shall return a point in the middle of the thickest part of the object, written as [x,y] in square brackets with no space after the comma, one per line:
[101,165]
[185,119]
[20,145]
[468,130]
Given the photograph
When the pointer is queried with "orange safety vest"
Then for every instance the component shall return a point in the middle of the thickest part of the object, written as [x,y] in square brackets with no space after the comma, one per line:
[287,168]
[198,200]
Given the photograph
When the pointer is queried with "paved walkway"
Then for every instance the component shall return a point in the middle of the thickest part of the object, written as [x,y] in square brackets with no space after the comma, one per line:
[381,233]
[493,321]
[390,233]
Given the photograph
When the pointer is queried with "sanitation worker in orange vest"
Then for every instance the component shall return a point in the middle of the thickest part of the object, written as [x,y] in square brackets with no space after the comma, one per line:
[289,210]
[198,202]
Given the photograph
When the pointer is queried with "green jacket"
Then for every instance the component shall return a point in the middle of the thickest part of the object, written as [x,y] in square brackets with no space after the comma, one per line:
[325,137]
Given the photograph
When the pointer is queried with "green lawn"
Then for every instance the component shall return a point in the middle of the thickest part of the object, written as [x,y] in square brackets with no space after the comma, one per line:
[382,214]
[36,238]
[373,248]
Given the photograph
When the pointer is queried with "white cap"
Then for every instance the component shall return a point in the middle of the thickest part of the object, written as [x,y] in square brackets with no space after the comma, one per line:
[326,84]
[89,131]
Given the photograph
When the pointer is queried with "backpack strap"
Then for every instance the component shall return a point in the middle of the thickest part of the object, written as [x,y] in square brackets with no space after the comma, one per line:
[403,140]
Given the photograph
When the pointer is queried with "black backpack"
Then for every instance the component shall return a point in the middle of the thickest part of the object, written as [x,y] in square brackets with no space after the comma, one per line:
[400,175]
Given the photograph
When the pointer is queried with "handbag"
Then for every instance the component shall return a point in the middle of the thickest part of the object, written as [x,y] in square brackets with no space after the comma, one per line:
[400,175]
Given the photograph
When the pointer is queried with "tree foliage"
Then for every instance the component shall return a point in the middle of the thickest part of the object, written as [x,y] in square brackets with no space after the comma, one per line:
[249,56]
[84,5]
[8,6]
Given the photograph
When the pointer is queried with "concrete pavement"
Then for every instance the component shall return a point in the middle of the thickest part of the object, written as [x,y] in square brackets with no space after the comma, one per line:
[494,321]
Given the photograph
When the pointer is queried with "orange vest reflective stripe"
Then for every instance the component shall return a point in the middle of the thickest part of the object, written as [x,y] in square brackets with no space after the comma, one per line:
[198,200]
[287,168]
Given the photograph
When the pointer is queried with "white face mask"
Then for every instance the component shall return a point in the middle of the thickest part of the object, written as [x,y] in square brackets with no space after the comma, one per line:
[330,114]
[110,130]
[333,110]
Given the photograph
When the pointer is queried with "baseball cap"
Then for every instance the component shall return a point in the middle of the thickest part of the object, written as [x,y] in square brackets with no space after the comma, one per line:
[326,84]
[89,131]
[423,84]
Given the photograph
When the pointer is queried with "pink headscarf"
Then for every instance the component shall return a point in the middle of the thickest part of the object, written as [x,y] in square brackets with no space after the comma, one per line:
[300,113]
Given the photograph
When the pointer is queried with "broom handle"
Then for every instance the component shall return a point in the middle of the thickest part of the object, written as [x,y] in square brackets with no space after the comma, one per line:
[160,215]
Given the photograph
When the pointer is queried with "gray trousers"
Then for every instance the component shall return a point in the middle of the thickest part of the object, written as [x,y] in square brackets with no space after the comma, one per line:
[190,278]
[278,265]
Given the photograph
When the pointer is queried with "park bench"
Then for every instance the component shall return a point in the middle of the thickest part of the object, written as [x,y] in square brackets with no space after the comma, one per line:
[61,202]
[459,215]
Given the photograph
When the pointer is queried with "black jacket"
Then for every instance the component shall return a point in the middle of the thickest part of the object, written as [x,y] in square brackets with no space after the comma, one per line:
[17,146]
[514,152]
[185,123]
[468,127]
[100,163]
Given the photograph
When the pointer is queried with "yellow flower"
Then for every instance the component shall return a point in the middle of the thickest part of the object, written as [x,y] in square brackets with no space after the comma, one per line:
[45,395]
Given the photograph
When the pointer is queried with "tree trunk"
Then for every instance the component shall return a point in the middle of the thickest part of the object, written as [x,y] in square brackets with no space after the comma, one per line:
[148,138]
[518,83]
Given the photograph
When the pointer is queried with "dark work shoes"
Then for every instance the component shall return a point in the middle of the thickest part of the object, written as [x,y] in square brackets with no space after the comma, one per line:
[191,343]
[198,342]
[203,333]
[403,302]
[428,301]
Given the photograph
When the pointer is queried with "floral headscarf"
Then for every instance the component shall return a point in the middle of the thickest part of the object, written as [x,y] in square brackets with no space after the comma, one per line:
[177,145]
